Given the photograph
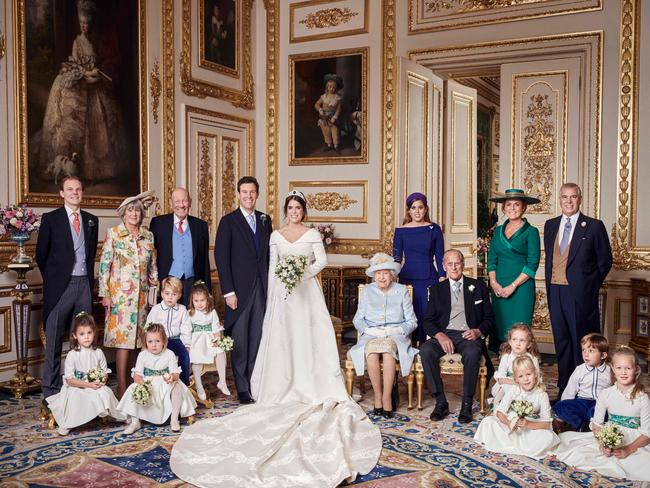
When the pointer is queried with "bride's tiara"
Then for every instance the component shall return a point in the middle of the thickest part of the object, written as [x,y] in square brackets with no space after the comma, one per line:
[296,193]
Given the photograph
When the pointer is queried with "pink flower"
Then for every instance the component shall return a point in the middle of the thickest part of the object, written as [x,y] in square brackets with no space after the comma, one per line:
[328,241]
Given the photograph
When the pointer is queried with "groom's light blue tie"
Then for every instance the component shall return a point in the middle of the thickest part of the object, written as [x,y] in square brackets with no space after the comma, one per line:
[251,222]
[565,237]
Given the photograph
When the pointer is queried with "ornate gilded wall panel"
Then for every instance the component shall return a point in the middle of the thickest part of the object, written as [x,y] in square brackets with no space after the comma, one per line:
[335,201]
[325,19]
[539,136]
[628,253]
[220,149]
[436,15]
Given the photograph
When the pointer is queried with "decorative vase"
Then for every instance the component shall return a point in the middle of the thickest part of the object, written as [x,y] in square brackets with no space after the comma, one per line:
[20,257]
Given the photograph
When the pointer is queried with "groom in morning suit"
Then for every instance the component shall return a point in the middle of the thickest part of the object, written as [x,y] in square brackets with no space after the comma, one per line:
[458,319]
[241,252]
[65,253]
[182,244]
[578,258]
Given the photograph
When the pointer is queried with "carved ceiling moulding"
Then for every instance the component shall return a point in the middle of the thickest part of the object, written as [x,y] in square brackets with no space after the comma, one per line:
[436,15]
[626,254]
[196,87]
[325,19]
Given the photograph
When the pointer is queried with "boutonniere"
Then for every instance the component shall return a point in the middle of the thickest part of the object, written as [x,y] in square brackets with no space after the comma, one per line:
[263,219]
[91,223]
[583,224]
[471,288]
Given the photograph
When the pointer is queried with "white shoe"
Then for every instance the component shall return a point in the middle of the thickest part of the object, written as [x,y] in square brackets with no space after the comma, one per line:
[200,392]
[132,427]
[223,388]
[175,426]
[63,431]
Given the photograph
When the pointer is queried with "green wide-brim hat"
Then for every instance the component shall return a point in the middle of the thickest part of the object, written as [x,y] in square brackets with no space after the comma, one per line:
[515,194]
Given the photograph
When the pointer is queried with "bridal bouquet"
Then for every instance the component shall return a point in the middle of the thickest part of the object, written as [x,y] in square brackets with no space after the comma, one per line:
[226,343]
[96,375]
[142,393]
[610,436]
[522,408]
[290,270]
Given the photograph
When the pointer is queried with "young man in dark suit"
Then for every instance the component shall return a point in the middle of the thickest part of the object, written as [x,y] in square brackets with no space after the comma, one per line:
[578,258]
[65,253]
[182,244]
[242,256]
[458,319]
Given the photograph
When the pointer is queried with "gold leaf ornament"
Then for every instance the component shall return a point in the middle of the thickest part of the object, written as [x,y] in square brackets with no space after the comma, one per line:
[329,201]
[328,17]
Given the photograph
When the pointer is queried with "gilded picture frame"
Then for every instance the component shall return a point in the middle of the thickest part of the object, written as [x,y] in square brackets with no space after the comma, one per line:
[71,58]
[328,128]
[326,19]
[219,28]
[235,66]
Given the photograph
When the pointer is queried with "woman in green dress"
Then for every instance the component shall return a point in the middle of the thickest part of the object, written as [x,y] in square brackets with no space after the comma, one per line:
[513,259]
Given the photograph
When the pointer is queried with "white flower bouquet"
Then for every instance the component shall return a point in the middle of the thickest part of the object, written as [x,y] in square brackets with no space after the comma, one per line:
[96,375]
[610,436]
[226,343]
[290,271]
[522,408]
[142,393]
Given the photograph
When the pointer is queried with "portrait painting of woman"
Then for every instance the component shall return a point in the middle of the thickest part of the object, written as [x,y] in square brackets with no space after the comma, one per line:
[82,95]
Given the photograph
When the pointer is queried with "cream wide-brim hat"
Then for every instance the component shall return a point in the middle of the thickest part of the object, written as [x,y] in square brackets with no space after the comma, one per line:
[382,261]
[147,197]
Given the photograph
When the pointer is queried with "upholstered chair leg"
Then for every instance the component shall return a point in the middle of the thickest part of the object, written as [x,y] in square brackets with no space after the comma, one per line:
[419,382]
[349,379]
[409,386]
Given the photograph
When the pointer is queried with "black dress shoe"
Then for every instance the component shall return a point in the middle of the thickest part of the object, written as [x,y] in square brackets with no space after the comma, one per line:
[440,412]
[389,414]
[244,398]
[465,415]
[378,411]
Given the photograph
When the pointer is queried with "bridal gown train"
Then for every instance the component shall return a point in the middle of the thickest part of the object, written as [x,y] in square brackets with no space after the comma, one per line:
[303,430]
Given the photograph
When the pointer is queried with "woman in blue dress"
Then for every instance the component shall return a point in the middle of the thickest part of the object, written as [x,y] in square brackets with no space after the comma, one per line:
[418,242]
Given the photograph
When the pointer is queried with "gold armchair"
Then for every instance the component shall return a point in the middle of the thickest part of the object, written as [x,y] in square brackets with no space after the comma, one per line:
[349,365]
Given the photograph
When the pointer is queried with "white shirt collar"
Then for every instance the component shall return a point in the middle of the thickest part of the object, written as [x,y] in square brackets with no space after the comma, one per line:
[574,219]
[245,213]
[165,307]
[601,368]
[452,282]
[70,211]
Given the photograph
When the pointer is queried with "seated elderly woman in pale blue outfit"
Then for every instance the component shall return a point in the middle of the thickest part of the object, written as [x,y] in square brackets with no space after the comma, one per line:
[385,320]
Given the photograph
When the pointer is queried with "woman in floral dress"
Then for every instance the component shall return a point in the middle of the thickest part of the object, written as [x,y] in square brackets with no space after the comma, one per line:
[127,269]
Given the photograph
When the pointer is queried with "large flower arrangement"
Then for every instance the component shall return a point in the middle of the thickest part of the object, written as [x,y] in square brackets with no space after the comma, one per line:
[326,233]
[15,219]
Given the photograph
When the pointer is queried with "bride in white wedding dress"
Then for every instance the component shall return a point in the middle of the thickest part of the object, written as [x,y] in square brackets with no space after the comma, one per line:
[304,430]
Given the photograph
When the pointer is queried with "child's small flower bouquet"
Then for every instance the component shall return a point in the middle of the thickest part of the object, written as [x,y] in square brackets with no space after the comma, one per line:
[96,375]
[326,233]
[142,393]
[225,343]
[522,408]
[290,270]
[610,436]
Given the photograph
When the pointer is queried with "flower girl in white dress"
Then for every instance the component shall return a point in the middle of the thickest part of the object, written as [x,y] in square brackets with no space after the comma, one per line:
[83,398]
[520,340]
[627,407]
[522,422]
[203,325]
[169,397]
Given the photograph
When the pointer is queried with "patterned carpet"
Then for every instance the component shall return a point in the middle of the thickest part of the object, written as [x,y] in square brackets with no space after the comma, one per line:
[417,453]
